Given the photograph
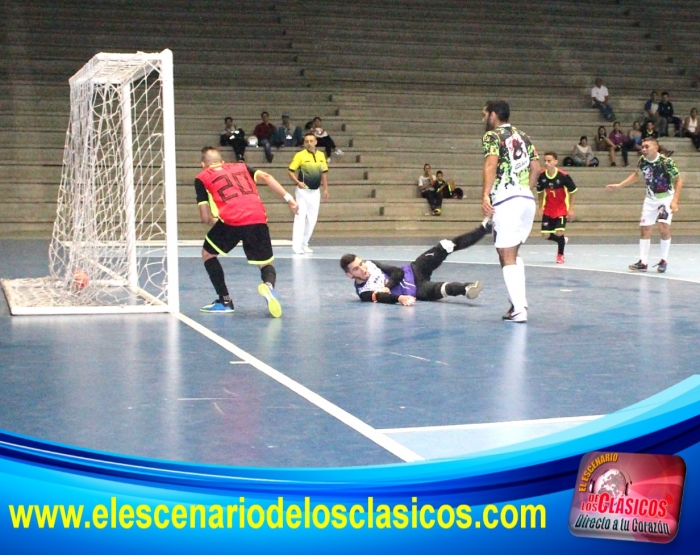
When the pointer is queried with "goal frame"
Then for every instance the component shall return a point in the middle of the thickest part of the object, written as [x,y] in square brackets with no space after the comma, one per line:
[97,71]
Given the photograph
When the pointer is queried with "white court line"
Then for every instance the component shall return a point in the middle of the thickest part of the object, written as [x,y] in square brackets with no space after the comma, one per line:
[204,398]
[345,417]
[654,275]
[487,425]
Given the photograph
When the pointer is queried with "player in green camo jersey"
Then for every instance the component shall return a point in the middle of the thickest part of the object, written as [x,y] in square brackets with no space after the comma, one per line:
[663,193]
[511,169]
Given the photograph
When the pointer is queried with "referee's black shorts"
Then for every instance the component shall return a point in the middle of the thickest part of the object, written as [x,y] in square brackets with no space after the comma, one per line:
[222,238]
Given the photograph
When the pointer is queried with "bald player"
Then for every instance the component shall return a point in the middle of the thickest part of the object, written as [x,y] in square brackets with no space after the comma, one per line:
[227,197]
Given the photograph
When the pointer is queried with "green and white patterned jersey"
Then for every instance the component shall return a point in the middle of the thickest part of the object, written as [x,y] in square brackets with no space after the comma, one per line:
[659,175]
[515,151]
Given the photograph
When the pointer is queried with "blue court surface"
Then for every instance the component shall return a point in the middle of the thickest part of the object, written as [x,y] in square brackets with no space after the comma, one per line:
[337,382]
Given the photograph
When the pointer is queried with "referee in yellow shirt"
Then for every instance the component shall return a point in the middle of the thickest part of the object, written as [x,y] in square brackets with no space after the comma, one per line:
[309,170]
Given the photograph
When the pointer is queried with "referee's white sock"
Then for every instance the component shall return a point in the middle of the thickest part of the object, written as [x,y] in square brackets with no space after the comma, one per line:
[514,279]
[644,245]
[665,245]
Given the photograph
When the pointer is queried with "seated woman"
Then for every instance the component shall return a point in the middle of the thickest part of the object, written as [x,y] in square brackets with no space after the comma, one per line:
[691,128]
[602,142]
[323,139]
[426,188]
[633,143]
[582,155]
[617,136]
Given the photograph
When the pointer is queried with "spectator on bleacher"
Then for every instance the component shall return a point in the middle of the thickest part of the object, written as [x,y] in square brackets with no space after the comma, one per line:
[324,139]
[426,187]
[447,189]
[667,116]
[651,109]
[617,136]
[234,137]
[287,134]
[602,142]
[649,132]
[633,143]
[692,129]
[582,155]
[600,100]
[265,131]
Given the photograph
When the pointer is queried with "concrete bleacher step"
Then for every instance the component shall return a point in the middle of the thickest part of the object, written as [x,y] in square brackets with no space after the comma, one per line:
[437,65]
[371,192]
[383,91]
[468,101]
[473,113]
[399,214]
[554,57]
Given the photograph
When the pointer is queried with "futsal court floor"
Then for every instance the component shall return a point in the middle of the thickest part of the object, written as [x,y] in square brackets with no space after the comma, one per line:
[337,382]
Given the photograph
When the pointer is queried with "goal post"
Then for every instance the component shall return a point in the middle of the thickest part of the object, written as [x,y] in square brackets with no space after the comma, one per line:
[114,242]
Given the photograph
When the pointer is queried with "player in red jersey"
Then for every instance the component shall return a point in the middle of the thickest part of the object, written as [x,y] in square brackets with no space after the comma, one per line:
[554,191]
[228,200]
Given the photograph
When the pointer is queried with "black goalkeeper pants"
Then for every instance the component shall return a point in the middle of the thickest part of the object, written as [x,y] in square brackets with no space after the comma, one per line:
[430,260]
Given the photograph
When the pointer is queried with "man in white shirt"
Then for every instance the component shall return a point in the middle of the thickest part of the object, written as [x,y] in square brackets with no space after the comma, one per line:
[599,99]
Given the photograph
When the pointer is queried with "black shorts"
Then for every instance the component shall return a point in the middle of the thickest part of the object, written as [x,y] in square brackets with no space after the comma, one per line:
[257,246]
[550,225]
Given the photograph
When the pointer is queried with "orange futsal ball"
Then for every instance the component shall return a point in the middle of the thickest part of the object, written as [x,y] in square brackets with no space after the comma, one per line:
[80,278]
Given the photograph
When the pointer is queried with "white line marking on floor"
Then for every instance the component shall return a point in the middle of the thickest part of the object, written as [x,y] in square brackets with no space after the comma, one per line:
[412,356]
[219,409]
[486,425]
[345,417]
[238,362]
[204,398]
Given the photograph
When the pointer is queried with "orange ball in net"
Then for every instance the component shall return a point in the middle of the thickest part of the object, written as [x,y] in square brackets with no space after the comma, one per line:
[80,279]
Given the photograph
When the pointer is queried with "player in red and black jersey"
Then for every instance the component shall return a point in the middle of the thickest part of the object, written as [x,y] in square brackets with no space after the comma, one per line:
[554,190]
[228,200]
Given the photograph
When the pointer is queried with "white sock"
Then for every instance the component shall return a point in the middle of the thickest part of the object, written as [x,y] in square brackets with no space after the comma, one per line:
[443,290]
[644,245]
[448,245]
[515,284]
[665,245]
[520,263]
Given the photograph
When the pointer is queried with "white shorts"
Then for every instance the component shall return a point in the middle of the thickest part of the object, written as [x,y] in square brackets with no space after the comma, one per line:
[656,210]
[512,221]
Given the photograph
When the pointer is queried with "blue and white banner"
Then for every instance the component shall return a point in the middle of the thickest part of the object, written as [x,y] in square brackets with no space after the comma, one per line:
[517,499]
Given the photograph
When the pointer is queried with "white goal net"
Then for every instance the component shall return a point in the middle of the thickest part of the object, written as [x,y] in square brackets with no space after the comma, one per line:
[114,243]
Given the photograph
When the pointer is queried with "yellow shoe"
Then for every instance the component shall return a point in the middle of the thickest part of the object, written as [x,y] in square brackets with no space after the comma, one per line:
[273,304]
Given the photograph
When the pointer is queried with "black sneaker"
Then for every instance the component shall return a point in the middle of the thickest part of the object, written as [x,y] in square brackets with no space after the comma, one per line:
[661,266]
[638,267]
